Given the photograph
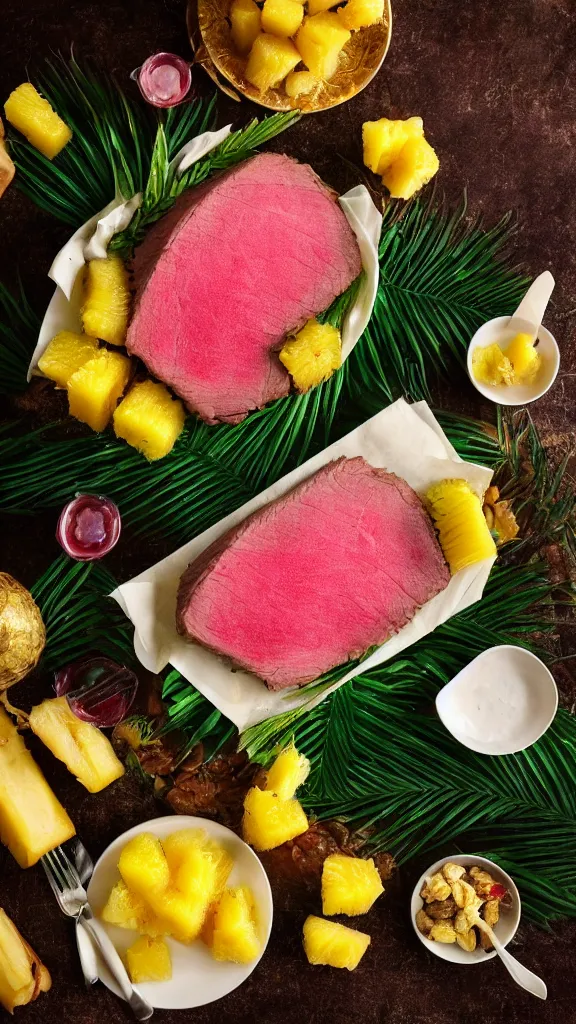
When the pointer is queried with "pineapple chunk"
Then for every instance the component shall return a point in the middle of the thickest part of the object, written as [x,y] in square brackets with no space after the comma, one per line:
[282,17]
[149,960]
[184,917]
[181,850]
[245,19]
[462,529]
[335,945]
[384,140]
[32,820]
[31,114]
[65,354]
[313,354]
[289,771]
[23,976]
[524,358]
[106,308]
[144,867]
[349,885]
[83,748]
[320,41]
[269,821]
[318,6]
[149,419]
[300,83]
[126,909]
[235,936]
[95,388]
[207,930]
[270,60]
[196,878]
[358,14]
[490,365]
[412,169]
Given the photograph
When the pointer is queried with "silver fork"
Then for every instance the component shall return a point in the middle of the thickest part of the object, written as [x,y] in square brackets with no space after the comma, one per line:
[73,901]
[84,866]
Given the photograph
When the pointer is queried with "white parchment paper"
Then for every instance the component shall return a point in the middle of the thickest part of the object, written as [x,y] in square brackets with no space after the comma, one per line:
[406,440]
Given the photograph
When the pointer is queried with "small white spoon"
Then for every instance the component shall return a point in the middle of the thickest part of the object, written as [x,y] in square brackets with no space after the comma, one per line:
[522,976]
[533,305]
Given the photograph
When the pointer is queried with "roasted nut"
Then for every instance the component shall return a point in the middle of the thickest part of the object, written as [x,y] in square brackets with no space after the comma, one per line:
[467,940]
[443,931]
[441,910]
[452,872]
[464,895]
[435,888]
[424,923]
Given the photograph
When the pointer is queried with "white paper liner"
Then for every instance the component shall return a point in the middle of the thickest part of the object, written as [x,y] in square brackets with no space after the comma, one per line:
[403,439]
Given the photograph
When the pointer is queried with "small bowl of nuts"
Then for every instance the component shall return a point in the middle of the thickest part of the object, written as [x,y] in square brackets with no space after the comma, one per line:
[449,899]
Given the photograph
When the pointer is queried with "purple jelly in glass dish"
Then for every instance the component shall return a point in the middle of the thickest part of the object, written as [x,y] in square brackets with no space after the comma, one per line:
[89,527]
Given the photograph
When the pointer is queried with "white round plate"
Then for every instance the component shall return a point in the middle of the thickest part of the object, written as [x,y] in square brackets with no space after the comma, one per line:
[197,978]
[505,929]
[501,330]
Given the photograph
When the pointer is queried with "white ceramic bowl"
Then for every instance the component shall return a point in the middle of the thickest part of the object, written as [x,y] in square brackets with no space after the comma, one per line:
[502,330]
[502,702]
[197,978]
[505,928]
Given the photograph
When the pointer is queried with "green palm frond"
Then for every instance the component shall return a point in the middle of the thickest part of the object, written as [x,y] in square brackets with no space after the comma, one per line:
[19,328]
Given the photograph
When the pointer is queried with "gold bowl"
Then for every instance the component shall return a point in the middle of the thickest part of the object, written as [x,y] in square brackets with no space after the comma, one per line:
[211,40]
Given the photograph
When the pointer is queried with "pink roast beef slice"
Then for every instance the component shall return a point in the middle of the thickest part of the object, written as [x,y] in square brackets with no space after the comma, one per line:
[315,578]
[228,273]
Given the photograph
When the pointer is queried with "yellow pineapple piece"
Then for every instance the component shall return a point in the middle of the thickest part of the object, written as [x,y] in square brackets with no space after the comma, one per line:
[181,849]
[416,164]
[23,976]
[282,17]
[269,821]
[149,419]
[524,358]
[313,354]
[490,365]
[289,771]
[149,960]
[462,529]
[320,42]
[349,885]
[106,308]
[358,14]
[235,935]
[31,114]
[94,389]
[183,916]
[270,60]
[384,140]
[144,867]
[126,909]
[245,19]
[335,945]
[300,83]
[207,930]
[318,6]
[83,748]
[65,354]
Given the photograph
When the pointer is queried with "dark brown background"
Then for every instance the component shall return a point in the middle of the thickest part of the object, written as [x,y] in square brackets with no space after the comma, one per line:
[494,82]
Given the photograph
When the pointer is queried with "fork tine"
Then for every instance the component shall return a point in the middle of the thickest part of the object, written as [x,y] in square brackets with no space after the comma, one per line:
[54,870]
[67,869]
[50,875]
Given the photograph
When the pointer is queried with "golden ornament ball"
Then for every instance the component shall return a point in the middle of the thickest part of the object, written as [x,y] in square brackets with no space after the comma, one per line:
[22,632]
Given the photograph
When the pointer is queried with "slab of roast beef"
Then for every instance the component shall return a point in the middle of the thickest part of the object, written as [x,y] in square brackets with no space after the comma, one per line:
[315,578]
[228,273]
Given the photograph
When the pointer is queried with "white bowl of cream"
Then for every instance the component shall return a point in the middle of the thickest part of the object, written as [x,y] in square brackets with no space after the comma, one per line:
[502,702]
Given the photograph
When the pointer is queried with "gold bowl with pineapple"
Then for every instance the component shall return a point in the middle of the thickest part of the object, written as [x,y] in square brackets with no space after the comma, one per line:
[211,39]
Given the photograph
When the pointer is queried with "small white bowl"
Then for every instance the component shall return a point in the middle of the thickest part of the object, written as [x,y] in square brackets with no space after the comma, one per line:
[502,702]
[197,978]
[502,330]
[505,928]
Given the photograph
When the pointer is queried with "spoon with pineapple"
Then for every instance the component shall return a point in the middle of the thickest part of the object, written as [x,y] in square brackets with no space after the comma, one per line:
[522,976]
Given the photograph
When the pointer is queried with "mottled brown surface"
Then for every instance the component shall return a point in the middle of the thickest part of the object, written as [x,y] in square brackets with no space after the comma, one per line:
[495,84]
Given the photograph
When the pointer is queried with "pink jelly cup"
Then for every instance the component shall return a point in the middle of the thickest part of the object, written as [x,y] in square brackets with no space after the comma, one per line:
[89,527]
[164,79]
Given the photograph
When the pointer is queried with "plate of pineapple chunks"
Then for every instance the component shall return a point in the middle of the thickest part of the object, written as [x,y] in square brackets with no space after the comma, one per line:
[187,905]
[449,897]
[291,54]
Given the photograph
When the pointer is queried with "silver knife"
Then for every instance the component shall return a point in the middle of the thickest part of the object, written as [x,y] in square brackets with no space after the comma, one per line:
[87,953]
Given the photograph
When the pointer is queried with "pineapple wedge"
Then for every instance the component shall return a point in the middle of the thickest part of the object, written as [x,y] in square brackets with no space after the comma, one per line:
[320,42]
[143,866]
[32,820]
[149,419]
[31,114]
[289,771]
[269,821]
[245,19]
[384,140]
[462,528]
[148,960]
[300,83]
[234,935]
[95,388]
[524,358]
[83,748]
[335,945]
[23,976]
[358,14]
[184,917]
[180,849]
[126,909]
[282,17]
[270,60]
[349,885]
[106,308]
[318,6]
[415,166]
[313,354]
[65,354]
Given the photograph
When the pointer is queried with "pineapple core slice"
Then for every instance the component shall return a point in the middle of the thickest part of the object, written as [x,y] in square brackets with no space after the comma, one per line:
[235,935]
[150,419]
[245,19]
[94,389]
[65,354]
[490,365]
[300,83]
[335,945]
[31,114]
[83,748]
[312,355]
[270,60]
[269,821]
[126,909]
[358,14]
[282,17]
[524,358]
[143,866]
[414,167]
[349,885]
[320,42]
[106,308]
[384,140]
[149,960]
[462,529]
[289,771]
